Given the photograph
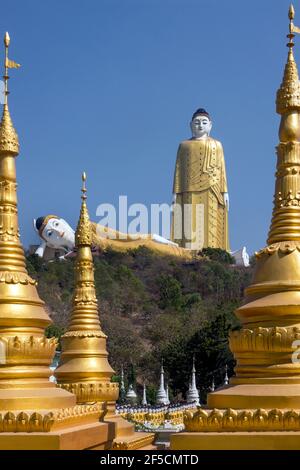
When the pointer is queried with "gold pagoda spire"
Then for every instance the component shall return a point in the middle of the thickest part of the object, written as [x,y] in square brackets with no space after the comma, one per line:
[84,315]
[285,224]
[24,371]
[271,306]
[84,369]
[8,137]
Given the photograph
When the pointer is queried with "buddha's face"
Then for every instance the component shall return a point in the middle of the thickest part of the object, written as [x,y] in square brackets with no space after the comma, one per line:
[201,127]
[59,234]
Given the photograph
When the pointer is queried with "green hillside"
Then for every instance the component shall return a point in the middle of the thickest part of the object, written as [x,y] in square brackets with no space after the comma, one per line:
[153,307]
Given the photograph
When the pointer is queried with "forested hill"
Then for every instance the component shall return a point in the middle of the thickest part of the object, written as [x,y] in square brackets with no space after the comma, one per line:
[154,306]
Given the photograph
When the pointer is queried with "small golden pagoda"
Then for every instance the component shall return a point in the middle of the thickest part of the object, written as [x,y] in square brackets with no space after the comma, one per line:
[260,408]
[84,368]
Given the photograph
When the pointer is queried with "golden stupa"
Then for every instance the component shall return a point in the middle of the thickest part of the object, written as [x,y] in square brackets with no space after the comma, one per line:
[260,408]
[34,413]
[84,368]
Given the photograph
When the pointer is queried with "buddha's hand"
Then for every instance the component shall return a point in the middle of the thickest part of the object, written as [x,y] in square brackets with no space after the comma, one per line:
[226,200]
[41,249]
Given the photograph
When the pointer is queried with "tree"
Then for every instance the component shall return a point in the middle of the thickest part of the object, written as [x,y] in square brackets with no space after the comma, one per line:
[217,254]
[169,291]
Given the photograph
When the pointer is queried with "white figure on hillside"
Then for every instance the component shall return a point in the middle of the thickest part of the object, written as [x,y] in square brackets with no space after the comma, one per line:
[241,257]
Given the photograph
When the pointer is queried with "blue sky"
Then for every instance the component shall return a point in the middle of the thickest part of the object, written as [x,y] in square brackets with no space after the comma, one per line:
[109,86]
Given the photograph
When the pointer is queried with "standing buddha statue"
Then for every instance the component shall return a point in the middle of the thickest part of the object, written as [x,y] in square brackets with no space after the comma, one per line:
[201,202]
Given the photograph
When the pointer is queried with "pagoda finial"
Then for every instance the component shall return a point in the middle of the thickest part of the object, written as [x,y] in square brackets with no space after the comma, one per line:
[83,189]
[285,226]
[7,64]
[83,236]
[9,142]
[291,35]
[6,76]
[288,95]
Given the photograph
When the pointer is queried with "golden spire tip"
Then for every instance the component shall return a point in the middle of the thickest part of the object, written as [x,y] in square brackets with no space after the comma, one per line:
[291,12]
[6,39]
[83,189]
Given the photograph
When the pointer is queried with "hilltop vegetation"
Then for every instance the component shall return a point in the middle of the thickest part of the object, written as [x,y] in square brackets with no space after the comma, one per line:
[153,307]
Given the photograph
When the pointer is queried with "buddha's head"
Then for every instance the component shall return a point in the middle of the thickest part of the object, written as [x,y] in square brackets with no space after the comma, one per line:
[56,232]
[201,124]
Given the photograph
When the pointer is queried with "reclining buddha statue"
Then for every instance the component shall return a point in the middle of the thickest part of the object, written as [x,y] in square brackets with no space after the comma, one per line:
[57,234]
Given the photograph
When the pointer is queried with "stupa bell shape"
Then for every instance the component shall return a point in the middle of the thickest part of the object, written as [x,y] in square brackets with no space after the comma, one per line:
[131,396]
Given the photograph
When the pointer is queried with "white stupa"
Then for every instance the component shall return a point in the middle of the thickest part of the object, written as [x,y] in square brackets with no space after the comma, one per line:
[122,394]
[161,397]
[167,394]
[226,380]
[193,394]
[212,388]
[131,396]
[144,401]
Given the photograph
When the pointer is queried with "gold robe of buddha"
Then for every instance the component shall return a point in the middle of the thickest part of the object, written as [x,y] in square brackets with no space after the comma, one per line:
[200,215]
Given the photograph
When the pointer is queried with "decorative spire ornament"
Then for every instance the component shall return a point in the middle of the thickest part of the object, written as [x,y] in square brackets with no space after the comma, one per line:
[285,226]
[9,141]
[84,368]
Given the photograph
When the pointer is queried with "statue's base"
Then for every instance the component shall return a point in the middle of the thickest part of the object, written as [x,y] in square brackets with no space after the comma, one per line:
[288,440]
[94,436]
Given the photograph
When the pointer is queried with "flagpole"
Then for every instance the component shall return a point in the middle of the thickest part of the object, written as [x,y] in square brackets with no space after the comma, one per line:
[6,76]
